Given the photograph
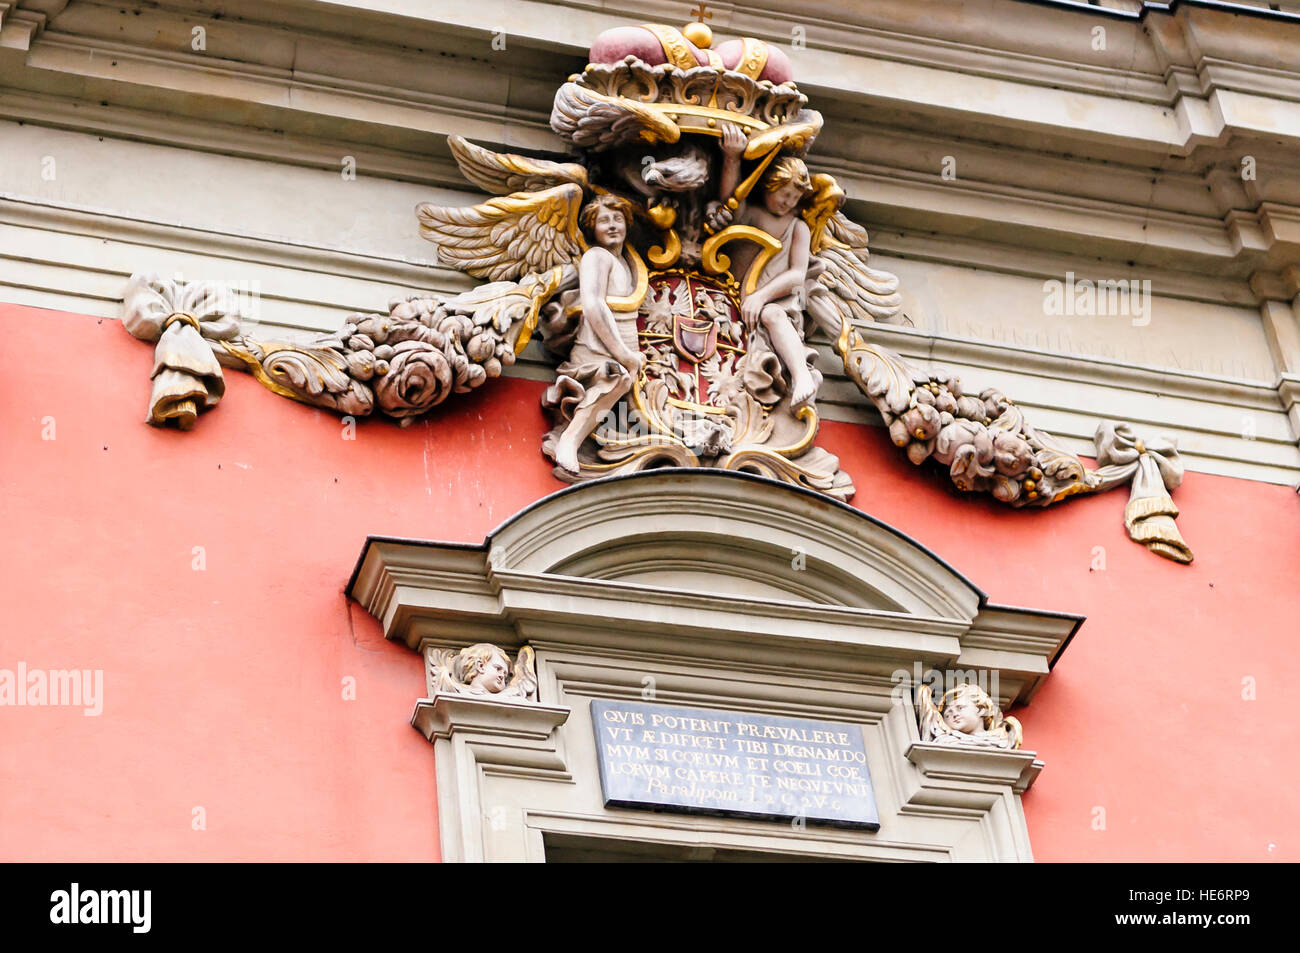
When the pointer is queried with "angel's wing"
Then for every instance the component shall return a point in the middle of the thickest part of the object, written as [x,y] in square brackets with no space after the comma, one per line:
[524,682]
[593,120]
[439,668]
[932,723]
[859,293]
[851,292]
[794,137]
[508,236]
[1014,733]
[502,173]
[847,294]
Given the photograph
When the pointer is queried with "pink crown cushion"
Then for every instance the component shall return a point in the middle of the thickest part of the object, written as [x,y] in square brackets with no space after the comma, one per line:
[620,42]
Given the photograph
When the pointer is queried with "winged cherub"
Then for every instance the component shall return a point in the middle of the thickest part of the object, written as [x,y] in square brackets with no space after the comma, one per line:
[527,241]
[966,716]
[779,298]
[605,358]
[484,670]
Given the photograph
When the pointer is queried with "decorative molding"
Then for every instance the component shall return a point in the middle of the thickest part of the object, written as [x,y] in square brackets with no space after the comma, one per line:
[22,21]
[982,196]
[705,353]
[609,609]
[442,717]
[87,274]
[1016,769]
[597,551]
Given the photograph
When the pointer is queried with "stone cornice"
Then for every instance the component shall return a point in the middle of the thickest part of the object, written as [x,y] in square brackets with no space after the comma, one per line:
[310,288]
[22,21]
[446,715]
[384,115]
[949,763]
[421,591]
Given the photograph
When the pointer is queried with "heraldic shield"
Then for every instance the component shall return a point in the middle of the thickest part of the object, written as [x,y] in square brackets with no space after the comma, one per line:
[710,393]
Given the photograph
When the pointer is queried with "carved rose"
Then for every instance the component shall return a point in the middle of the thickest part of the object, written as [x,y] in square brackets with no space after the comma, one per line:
[418,377]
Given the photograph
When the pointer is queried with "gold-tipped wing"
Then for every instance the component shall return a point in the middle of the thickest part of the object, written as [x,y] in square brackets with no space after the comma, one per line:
[524,681]
[502,173]
[509,236]
[931,719]
[1015,734]
[860,293]
[795,136]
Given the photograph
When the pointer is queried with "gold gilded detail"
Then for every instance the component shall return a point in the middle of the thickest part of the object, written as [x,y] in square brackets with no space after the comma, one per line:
[633,301]
[666,255]
[184,317]
[541,293]
[673,112]
[794,136]
[809,416]
[717,263]
[254,366]
[675,46]
[753,59]
[662,215]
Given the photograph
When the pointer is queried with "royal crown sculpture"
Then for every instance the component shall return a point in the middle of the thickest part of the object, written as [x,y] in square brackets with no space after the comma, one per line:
[675,270]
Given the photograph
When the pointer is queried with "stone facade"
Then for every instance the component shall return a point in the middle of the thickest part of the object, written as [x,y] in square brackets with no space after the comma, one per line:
[1096,212]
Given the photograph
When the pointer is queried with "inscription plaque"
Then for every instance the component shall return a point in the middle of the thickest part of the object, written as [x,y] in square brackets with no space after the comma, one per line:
[696,760]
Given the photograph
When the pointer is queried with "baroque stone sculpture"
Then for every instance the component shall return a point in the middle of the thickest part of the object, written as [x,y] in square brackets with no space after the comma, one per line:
[675,270]
[965,716]
[481,669]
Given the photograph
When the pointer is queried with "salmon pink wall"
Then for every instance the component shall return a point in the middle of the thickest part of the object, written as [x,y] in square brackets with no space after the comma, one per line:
[223,686]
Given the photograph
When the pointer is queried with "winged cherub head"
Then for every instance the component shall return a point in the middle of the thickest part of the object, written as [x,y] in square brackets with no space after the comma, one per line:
[605,219]
[786,185]
[483,667]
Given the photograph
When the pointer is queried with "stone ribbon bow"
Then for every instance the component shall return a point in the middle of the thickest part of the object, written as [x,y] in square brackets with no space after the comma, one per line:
[1155,469]
[182,318]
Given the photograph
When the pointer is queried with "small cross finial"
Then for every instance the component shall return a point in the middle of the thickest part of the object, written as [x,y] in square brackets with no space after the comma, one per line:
[702,13]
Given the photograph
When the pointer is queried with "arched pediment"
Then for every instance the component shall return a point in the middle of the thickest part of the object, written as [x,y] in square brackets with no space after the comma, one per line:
[711,564]
[718,531]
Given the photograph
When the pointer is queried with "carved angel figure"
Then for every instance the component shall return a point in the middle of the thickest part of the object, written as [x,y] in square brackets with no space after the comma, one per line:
[967,716]
[482,669]
[605,357]
[670,138]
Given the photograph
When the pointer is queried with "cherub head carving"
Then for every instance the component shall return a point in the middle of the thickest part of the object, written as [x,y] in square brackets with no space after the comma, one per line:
[481,669]
[967,716]
[968,709]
